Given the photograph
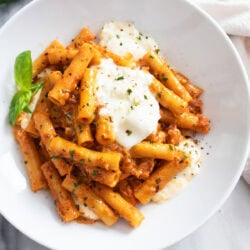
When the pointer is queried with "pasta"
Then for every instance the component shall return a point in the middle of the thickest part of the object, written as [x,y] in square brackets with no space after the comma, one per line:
[108,129]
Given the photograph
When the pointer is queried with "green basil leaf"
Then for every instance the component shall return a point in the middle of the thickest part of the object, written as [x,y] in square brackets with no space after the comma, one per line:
[23,70]
[27,110]
[19,101]
[35,87]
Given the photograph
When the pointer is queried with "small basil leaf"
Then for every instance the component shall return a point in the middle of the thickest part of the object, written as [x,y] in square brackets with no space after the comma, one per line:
[19,101]
[27,110]
[23,70]
[35,87]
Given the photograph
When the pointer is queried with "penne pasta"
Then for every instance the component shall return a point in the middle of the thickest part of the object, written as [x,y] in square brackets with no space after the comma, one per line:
[86,197]
[83,133]
[119,204]
[42,61]
[167,98]
[47,133]
[106,177]
[64,203]
[31,159]
[74,73]
[87,103]
[187,120]
[43,103]
[155,150]
[61,56]
[194,90]
[85,35]
[157,181]
[107,160]
[105,130]
[162,71]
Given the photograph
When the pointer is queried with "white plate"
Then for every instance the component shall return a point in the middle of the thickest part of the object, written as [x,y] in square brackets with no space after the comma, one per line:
[195,45]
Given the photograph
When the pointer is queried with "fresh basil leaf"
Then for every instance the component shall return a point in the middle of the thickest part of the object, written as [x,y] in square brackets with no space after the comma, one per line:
[19,101]
[23,70]
[35,87]
[27,110]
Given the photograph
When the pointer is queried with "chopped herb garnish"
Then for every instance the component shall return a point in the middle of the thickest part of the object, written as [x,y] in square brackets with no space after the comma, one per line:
[68,116]
[158,180]
[164,78]
[132,108]
[71,154]
[120,43]
[159,95]
[81,161]
[171,147]
[184,156]
[157,51]
[55,156]
[89,160]
[128,132]
[95,172]
[185,145]
[76,184]
[119,78]
[145,97]
[129,91]
[138,37]
[117,36]
[80,128]
[150,56]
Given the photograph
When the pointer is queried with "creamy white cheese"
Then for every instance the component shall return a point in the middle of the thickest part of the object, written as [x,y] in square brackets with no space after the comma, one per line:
[183,178]
[126,98]
[88,213]
[122,38]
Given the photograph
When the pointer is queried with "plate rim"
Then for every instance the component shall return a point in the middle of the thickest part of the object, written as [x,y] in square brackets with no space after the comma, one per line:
[247,146]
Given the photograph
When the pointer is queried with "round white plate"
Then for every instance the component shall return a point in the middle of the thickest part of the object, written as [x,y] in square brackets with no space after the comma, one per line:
[194,44]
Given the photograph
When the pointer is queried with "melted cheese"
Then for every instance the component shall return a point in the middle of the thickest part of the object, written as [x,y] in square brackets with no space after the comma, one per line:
[126,98]
[122,38]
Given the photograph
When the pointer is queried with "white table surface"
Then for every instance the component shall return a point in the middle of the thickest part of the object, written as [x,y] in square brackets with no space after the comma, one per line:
[228,229]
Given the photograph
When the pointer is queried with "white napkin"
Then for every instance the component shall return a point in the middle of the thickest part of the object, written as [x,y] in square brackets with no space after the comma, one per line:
[234,17]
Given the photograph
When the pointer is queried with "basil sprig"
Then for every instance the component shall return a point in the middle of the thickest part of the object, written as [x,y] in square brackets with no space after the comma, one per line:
[23,78]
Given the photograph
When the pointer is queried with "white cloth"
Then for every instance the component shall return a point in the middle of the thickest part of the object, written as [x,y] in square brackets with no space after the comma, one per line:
[234,17]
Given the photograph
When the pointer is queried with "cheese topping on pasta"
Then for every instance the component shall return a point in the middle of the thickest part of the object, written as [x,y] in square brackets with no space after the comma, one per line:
[122,38]
[125,97]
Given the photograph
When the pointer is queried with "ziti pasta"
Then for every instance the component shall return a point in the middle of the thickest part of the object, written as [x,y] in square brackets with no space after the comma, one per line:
[101,123]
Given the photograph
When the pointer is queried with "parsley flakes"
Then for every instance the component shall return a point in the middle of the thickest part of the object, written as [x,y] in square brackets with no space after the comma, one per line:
[119,78]
[129,91]
[71,154]
[128,132]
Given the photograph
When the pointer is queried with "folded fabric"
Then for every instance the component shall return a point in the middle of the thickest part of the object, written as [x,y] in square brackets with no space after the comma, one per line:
[234,18]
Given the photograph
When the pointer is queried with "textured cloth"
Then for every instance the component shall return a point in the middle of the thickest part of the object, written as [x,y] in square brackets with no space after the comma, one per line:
[234,18]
